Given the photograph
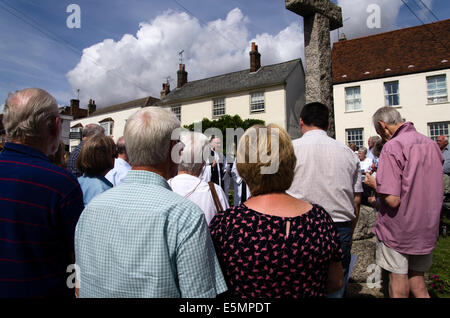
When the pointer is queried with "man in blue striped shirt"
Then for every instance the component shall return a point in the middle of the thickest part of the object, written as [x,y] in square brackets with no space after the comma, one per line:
[40,203]
[140,239]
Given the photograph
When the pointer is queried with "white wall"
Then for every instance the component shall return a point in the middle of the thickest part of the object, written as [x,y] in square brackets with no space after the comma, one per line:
[413,106]
[119,118]
[239,104]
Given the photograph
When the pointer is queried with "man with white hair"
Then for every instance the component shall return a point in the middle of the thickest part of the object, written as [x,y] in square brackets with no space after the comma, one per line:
[88,131]
[208,196]
[39,202]
[140,239]
[409,182]
[442,141]
[121,164]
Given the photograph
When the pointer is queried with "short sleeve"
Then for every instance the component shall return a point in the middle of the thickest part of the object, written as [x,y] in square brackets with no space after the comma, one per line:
[199,273]
[389,174]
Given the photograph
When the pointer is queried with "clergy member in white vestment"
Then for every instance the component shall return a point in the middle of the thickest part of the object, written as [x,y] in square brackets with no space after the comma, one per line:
[121,165]
[241,194]
[188,183]
[217,171]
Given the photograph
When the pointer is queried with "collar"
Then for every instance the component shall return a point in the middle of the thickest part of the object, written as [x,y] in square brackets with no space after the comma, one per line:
[123,162]
[146,177]
[406,127]
[25,150]
[314,132]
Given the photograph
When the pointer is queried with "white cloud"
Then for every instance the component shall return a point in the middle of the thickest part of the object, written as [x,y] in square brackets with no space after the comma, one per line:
[355,15]
[136,66]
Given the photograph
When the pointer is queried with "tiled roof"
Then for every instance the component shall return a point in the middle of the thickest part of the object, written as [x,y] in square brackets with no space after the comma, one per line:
[266,76]
[141,102]
[406,51]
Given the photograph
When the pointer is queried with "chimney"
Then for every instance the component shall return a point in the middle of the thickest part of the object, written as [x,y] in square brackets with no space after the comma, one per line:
[74,107]
[165,90]
[342,37]
[255,58]
[91,107]
[182,76]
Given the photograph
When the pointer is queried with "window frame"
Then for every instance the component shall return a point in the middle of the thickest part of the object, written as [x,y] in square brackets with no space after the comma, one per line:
[347,130]
[391,95]
[214,109]
[353,99]
[439,132]
[109,131]
[178,112]
[436,99]
[261,110]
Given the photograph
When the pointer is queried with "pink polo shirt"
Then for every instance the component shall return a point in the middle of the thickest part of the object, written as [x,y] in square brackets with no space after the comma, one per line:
[410,167]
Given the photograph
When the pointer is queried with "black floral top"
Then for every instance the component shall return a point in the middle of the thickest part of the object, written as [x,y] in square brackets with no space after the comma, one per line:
[258,260]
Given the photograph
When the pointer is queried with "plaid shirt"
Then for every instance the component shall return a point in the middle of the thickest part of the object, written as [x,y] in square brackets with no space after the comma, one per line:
[72,162]
[140,239]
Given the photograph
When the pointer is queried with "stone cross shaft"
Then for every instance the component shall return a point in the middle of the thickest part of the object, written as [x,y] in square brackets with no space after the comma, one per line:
[320,17]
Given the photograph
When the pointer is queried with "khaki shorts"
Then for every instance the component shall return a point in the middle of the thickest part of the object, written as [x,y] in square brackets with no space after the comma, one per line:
[399,263]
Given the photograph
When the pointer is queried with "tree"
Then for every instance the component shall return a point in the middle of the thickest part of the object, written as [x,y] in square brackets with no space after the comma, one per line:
[224,122]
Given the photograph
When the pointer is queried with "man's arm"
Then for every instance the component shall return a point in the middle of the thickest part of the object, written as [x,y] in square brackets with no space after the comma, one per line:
[357,206]
[392,201]
[446,167]
[199,273]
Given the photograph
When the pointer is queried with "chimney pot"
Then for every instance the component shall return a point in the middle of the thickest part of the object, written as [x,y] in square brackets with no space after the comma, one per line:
[342,37]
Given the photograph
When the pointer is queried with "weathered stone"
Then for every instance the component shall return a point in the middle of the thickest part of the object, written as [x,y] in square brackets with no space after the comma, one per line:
[366,222]
[365,250]
[319,18]
[310,7]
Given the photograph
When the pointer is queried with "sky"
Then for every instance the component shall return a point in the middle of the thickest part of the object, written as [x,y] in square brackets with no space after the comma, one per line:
[125,49]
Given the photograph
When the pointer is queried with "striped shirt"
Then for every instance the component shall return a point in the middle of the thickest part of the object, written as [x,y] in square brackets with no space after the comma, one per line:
[39,206]
[142,240]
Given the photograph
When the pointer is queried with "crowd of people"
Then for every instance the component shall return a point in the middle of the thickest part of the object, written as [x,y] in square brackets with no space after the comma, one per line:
[138,223]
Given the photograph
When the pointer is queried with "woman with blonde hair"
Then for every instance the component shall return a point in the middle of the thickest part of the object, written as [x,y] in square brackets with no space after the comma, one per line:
[275,245]
[95,160]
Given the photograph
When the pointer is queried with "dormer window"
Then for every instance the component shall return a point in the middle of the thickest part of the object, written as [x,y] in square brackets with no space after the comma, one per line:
[108,125]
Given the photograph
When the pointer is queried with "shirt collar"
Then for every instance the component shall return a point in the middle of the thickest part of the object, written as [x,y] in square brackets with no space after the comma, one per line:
[26,150]
[146,177]
[406,127]
[314,132]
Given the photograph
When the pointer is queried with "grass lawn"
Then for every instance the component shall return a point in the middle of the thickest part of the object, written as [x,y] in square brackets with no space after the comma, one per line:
[441,267]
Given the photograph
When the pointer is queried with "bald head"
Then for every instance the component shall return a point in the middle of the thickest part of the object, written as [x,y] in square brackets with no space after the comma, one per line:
[31,117]
[442,141]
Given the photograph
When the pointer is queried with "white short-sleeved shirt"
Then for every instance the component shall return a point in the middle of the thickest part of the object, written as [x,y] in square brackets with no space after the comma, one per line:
[327,173]
[198,191]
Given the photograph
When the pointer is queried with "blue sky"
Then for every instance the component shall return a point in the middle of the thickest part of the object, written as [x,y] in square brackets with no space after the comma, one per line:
[125,49]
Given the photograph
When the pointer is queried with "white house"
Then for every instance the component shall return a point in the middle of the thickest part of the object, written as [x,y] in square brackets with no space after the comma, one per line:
[111,118]
[273,93]
[408,69]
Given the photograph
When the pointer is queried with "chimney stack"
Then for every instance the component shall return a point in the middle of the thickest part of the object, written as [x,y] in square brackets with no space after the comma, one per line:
[91,107]
[165,90]
[74,107]
[182,76]
[255,58]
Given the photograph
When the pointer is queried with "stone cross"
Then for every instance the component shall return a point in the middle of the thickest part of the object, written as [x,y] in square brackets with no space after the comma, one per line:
[320,17]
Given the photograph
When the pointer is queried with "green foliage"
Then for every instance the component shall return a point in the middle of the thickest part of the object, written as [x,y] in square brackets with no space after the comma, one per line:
[226,121]
[439,284]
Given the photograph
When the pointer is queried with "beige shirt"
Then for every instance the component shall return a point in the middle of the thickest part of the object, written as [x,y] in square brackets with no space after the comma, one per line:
[327,173]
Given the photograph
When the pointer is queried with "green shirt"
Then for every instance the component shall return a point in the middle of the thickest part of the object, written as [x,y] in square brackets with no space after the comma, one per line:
[140,239]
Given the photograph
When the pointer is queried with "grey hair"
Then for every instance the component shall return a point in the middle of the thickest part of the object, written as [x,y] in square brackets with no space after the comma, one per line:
[92,129]
[375,138]
[192,157]
[148,135]
[29,114]
[388,115]
[363,149]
